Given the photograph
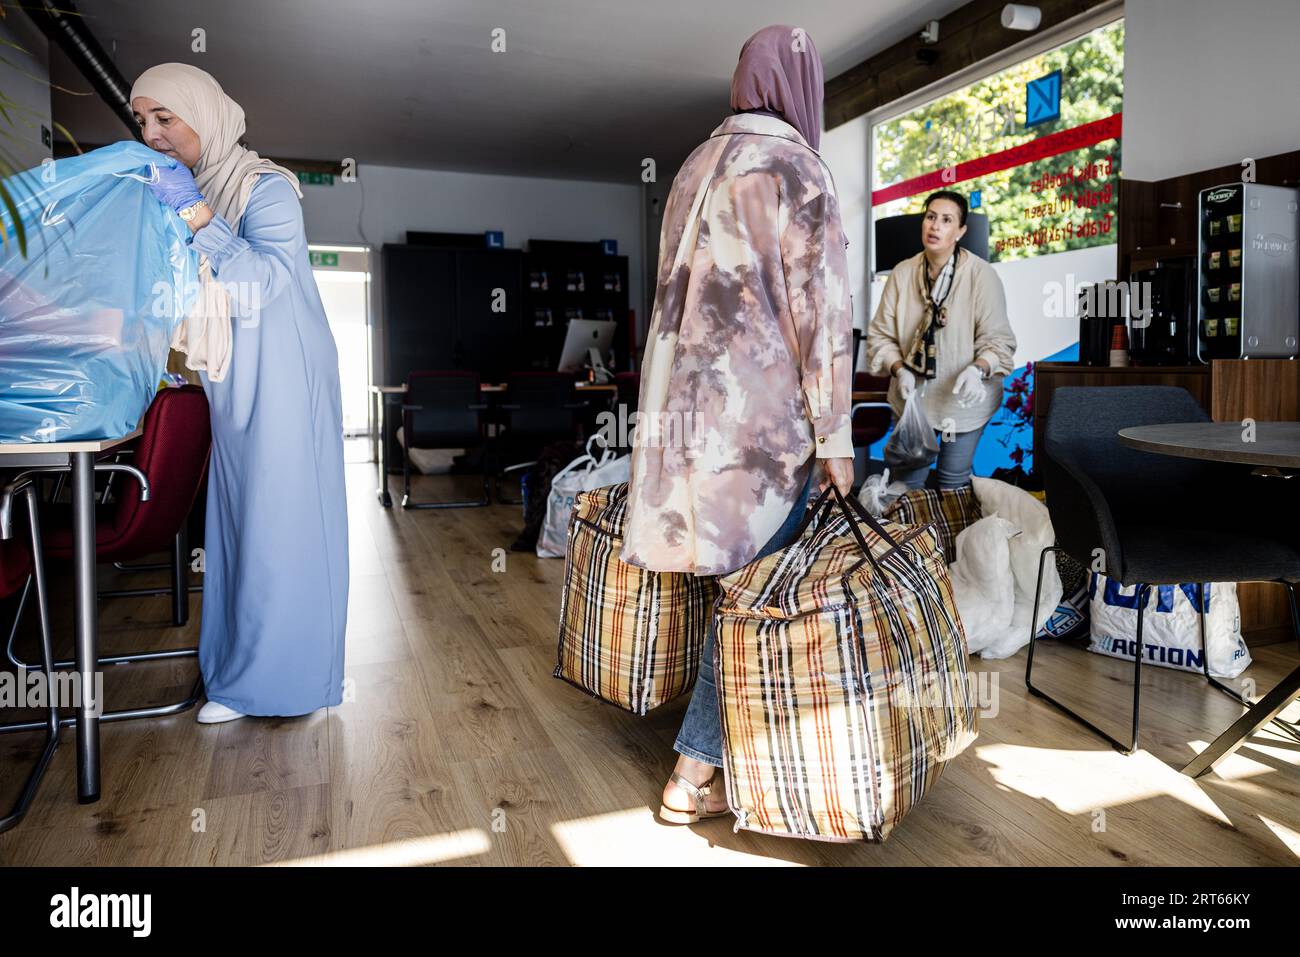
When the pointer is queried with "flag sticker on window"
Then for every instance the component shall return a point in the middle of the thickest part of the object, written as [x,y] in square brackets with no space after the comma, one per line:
[1043,99]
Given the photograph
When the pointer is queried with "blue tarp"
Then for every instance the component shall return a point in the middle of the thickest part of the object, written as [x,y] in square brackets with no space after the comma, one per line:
[86,316]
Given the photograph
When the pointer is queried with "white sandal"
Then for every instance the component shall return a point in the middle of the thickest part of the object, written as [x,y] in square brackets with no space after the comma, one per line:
[697,793]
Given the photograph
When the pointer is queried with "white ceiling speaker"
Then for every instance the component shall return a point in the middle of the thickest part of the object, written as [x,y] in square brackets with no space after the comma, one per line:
[1021,16]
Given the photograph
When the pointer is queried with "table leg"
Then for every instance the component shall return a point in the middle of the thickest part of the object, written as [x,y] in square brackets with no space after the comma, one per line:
[1261,712]
[87,636]
[385,499]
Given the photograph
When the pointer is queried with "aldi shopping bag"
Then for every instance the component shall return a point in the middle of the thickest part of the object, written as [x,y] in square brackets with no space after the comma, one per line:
[1171,630]
[628,636]
[582,474]
[841,668]
[87,313]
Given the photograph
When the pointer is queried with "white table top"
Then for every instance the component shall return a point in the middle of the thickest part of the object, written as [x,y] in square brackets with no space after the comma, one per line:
[23,450]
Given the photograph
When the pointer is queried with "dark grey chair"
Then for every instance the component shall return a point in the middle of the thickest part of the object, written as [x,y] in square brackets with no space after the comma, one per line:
[442,411]
[1157,519]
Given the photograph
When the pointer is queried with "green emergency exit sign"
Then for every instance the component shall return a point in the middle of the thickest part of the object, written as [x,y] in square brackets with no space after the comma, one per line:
[324,259]
[316,179]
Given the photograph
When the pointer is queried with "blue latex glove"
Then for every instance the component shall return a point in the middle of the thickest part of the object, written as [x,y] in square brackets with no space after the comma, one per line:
[176,187]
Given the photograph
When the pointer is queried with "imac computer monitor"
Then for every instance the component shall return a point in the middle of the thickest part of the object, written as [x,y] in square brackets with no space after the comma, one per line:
[582,336]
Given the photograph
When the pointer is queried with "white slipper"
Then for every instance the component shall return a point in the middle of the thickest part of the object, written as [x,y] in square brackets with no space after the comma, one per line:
[215,713]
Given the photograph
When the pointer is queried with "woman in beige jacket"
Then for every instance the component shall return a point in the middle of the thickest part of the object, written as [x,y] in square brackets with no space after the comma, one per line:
[941,331]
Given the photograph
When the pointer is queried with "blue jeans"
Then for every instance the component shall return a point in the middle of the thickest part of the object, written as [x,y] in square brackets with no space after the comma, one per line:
[700,736]
[953,464]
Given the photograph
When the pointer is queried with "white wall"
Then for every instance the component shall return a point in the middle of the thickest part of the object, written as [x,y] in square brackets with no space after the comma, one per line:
[1207,83]
[845,151]
[386,201]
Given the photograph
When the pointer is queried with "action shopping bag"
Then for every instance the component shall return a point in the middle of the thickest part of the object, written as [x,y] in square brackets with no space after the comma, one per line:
[87,314]
[629,636]
[841,669]
[1171,630]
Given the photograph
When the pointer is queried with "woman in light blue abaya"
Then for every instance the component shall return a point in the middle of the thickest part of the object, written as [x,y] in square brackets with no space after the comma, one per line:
[276,552]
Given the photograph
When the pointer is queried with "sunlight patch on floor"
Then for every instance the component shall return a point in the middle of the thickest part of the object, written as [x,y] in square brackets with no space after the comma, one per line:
[412,852]
[634,838]
[1080,782]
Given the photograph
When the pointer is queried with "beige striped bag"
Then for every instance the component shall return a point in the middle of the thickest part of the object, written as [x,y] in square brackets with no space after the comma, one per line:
[628,636]
[841,665]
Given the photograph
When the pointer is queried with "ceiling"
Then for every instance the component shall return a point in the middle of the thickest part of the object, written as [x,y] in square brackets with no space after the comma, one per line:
[585,89]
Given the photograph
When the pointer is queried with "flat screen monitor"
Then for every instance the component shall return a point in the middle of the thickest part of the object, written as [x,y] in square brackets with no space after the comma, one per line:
[584,334]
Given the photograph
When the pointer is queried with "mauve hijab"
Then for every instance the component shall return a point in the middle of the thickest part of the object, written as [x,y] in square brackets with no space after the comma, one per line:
[780,72]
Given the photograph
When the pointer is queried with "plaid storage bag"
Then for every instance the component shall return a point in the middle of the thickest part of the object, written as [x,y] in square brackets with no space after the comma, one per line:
[628,636]
[841,665]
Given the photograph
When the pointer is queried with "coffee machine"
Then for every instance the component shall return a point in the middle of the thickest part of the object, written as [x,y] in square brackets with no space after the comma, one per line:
[1162,314]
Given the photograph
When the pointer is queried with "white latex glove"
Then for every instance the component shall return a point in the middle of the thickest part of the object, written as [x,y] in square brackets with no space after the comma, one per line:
[906,382]
[970,385]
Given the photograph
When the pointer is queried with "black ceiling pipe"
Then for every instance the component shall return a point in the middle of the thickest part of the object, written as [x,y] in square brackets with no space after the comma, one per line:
[66,27]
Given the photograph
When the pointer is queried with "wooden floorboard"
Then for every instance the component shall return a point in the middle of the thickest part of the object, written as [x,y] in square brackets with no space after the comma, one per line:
[455,745]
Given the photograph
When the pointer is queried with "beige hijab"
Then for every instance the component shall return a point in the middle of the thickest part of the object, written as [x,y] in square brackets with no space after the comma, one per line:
[226,172]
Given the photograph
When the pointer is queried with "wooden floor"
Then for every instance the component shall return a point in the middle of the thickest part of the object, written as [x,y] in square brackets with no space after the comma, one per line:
[456,746]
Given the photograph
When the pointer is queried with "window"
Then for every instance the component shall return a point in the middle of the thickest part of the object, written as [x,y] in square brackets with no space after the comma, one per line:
[1035,147]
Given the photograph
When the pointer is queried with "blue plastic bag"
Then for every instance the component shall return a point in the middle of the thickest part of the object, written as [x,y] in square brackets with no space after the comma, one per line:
[86,317]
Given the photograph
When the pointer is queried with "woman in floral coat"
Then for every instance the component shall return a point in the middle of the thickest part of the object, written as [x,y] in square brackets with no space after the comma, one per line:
[746,379]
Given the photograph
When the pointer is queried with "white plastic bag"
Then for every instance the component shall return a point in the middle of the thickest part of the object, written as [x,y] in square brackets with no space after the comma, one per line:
[878,493]
[913,444]
[1035,523]
[1171,635]
[984,587]
[581,475]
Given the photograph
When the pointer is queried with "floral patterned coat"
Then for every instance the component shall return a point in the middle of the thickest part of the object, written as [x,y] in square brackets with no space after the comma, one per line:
[747,373]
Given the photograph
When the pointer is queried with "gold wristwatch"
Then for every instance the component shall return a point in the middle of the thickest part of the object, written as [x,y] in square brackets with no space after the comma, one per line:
[189,212]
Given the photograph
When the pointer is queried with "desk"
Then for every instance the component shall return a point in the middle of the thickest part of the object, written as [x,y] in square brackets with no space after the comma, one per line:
[80,457]
[1277,444]
[382,396]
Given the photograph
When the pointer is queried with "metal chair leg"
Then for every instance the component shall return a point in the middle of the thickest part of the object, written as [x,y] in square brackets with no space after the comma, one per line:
[51,722]
[1205,650]
[1259,714]
[1137,667]
[410,503]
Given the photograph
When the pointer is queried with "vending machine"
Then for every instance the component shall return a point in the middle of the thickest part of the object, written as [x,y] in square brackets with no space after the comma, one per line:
[1249,272]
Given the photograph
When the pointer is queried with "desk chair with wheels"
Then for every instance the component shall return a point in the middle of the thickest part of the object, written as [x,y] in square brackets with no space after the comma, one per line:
[1155,519]
[443,410]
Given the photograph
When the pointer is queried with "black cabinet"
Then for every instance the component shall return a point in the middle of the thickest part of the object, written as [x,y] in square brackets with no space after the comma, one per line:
[449,308]
[569,280]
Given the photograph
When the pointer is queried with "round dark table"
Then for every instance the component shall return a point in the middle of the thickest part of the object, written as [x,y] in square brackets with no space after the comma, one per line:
[1275,443]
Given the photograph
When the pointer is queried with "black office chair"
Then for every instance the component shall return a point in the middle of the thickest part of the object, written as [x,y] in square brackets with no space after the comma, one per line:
[538,408]
[443,410]
[1156,519]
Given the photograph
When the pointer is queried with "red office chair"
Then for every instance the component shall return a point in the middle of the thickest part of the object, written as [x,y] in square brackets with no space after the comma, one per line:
[150,515]
[870,420]
[20,567]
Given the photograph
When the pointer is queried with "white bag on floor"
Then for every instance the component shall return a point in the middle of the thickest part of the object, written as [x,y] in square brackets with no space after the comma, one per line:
[1171,634]
[1035,523]
[984,587]
[581,475]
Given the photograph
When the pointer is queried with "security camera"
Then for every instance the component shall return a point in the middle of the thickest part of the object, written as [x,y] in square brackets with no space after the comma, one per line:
[1021,16]
[931,32]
